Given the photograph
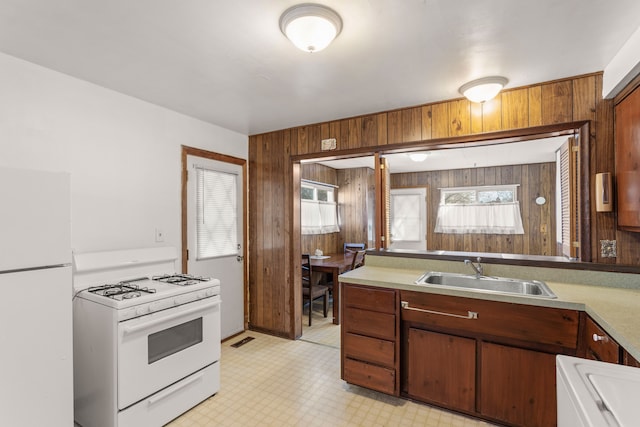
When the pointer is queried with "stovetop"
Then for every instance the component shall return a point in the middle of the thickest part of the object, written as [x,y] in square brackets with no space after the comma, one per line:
[147,290]
[141,286]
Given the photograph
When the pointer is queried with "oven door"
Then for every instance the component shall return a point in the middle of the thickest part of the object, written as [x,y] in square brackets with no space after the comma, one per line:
[156,350]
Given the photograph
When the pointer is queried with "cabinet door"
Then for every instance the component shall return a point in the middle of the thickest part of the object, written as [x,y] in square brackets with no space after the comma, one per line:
[599,345]
[517,386]
[442,369]
[627,122]
[629,360]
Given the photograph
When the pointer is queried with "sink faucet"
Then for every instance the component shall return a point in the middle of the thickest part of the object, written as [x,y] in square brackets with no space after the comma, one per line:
[477,268]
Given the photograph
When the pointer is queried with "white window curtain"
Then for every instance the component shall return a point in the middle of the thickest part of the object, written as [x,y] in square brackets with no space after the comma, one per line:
[216,204]
[498,218]
[319,216]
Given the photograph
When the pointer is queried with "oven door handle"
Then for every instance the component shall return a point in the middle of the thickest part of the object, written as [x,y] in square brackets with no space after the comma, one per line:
[146,325]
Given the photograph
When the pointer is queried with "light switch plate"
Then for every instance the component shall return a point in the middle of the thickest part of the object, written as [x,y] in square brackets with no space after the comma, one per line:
[159,235]
[328,144]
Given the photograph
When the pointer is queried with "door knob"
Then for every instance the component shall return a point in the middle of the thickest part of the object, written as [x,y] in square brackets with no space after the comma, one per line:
[239,258]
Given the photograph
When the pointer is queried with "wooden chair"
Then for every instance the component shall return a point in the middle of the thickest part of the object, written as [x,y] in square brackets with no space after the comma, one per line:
[311,287]
[358,259]
[353,247]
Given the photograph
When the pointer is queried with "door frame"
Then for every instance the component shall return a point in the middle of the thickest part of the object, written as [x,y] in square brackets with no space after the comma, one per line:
[198,152]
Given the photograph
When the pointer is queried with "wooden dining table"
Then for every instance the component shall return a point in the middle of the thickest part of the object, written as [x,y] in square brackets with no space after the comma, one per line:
[334,264]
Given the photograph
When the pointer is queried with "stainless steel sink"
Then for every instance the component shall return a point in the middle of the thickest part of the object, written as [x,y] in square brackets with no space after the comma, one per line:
[499,285]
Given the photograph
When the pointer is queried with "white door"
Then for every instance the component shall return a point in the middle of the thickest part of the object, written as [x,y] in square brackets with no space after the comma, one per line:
[408,218]
[215,235]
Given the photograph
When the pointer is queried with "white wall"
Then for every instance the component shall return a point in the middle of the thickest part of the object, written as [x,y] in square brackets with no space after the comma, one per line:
[623,68]
[123,153]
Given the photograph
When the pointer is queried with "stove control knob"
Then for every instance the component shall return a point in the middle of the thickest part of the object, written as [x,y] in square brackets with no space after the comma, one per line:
[142,310]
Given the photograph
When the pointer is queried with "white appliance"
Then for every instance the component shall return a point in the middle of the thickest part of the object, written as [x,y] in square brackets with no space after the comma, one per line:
[146,340]
[36,366]
[597,394]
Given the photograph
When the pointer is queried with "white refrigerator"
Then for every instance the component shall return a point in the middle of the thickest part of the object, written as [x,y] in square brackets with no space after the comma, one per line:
[36,366]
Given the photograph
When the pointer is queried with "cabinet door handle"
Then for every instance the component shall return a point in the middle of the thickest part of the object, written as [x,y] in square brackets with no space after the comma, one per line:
[597,338]
[470,314]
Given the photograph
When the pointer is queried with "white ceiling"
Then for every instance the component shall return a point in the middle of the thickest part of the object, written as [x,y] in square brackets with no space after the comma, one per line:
[226,62]
[514,153]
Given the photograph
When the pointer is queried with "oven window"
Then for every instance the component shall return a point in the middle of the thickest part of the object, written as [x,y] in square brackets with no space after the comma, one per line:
[175,339]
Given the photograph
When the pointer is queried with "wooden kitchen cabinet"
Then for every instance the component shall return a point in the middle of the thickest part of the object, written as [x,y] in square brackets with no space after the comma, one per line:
[442,369]
[598,344]
[491,359]
[629,360]
[517,385]
[627,148]
[369,337]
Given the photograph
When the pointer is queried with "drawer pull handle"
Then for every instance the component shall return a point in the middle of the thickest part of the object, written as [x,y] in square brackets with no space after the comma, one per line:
[597,338]
[470,314]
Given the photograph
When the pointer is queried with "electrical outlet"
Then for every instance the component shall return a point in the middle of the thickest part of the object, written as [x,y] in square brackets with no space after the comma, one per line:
[608,249]
[159,235]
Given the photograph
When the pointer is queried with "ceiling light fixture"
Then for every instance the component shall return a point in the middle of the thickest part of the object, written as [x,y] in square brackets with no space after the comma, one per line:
[483,89]
[418,157]
[310,27]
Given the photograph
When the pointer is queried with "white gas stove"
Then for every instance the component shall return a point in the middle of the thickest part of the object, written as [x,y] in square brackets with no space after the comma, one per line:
[146,340]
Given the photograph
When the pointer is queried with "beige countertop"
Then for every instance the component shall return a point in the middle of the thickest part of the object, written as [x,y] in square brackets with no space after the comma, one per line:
[617,310]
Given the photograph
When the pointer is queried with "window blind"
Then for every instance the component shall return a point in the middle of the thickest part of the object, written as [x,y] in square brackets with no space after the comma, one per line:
[216,217]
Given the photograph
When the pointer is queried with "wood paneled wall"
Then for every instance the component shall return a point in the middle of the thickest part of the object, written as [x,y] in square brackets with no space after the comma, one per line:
[354,206]
[538,221]
[274,303]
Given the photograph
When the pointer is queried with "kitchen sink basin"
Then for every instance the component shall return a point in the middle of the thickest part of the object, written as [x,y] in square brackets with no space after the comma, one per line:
[499,285]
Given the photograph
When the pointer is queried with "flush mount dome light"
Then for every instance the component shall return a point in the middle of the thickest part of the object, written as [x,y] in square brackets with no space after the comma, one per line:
[310,27]
[418,157]
[483,89]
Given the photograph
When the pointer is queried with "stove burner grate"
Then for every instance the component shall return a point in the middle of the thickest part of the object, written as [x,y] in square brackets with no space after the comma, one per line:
[122,290]
[180,279]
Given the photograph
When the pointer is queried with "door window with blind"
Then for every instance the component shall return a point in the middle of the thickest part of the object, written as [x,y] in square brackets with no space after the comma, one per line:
[216,216]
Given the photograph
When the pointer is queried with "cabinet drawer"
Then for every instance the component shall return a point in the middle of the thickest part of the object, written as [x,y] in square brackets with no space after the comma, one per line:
[367,298]
[370,323]
[599,345]
[369,349]
[524,323]
[370,376]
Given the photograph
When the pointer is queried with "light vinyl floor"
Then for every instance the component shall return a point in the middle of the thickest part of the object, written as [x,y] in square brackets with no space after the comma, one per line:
[272,381]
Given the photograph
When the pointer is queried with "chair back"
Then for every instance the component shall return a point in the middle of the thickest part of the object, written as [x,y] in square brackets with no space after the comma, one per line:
[309,277]
[358,259]
[353,247]
[306,269]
